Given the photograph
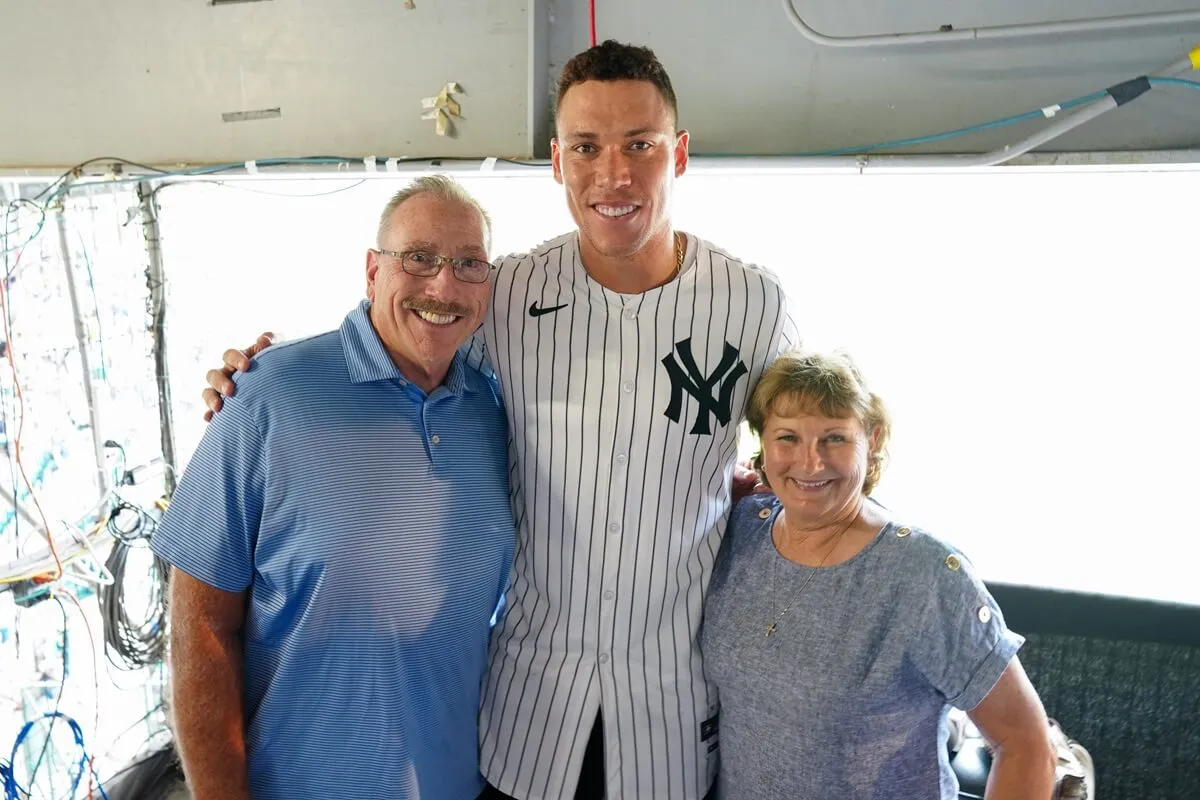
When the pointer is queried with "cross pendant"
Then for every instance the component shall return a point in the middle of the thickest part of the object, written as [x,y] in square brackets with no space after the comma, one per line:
[770,630]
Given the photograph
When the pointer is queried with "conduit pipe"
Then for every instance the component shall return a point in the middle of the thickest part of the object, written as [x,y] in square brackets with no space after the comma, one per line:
[947,33]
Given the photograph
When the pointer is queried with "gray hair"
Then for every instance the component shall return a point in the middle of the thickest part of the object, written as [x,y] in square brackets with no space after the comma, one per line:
[442,186]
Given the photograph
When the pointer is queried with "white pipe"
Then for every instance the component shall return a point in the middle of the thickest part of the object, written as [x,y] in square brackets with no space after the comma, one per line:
[1011,151]
[1026,30]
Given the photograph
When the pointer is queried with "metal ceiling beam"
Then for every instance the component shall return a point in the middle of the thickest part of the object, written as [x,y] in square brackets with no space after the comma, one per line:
[948,33]
[538,80]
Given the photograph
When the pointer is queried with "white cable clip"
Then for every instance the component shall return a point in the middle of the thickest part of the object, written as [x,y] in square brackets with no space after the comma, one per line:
[488,165]
[1050,111]
[391,164]
[369,163]
[251,168]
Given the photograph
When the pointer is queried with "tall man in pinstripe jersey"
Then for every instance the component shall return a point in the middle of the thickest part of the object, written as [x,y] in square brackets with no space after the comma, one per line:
[625,352]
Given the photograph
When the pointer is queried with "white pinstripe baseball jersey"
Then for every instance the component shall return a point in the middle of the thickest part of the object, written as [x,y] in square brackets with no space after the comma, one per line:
[624,412]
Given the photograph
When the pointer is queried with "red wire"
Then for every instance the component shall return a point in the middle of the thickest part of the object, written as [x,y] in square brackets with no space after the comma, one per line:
[12,363]
[592,15]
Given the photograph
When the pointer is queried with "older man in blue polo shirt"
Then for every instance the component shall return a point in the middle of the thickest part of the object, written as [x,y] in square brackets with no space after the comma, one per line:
[342,537]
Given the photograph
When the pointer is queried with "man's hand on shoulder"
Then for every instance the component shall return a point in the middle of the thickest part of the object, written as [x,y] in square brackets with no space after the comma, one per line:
[220,381]
[746,481]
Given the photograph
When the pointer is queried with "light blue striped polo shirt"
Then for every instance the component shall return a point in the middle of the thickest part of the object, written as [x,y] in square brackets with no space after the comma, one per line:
[371,525]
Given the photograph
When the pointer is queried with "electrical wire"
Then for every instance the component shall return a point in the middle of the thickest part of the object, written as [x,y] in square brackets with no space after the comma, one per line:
[592,20]
[87,262]
[228,185]
[957,132]
[1027,116]
[95,653]
[133,643]
[62,684]
[73,551]
[12,206]
[9,410]
[53,189]
[129,533]
[8,779]
[265,163]
[12,363]
[129,729]
[1175,82]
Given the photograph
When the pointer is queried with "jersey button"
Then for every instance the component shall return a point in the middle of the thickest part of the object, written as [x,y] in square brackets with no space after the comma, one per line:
[628,387]
[604,658]
[435,439]
[608,594]
[621,459]
[613,527]
[630,314]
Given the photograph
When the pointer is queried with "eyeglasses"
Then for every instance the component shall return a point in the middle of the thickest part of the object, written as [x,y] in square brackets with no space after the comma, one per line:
[426,265]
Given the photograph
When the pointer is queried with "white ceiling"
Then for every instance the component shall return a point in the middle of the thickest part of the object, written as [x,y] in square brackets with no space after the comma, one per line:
[149,80]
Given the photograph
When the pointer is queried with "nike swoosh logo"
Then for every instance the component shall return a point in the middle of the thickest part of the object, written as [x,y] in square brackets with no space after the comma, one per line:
[534,311]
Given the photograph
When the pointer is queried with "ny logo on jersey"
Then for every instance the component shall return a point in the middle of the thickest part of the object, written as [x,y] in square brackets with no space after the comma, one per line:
[700,386]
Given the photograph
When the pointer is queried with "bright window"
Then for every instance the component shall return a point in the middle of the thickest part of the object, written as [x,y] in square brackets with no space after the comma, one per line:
[1031,331]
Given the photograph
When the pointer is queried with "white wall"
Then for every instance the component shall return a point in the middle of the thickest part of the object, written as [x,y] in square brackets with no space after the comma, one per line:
[1032,333]
[149,80]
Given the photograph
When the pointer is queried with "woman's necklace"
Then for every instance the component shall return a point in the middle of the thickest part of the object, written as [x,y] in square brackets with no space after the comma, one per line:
[774,568]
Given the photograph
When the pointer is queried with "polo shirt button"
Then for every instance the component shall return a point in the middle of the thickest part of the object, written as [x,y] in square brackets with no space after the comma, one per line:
[435,439]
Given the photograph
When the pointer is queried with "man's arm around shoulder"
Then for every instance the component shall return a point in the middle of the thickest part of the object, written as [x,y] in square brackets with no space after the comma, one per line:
[206,670]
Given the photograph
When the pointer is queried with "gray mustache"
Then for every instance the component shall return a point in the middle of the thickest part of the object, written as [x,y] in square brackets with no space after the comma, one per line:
[430,306]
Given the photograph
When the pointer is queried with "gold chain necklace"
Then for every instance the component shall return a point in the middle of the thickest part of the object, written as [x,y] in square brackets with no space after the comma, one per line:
[680,249]
[775,566]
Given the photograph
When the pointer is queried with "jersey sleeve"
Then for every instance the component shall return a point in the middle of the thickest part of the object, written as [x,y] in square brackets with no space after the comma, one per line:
[211,526]
[477,355]
[789,336]
[961,644]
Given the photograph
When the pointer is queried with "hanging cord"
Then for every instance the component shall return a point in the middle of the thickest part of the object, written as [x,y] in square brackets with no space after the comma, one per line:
[133,641]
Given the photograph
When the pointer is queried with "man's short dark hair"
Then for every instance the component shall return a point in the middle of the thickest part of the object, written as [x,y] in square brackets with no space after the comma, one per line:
[613,61]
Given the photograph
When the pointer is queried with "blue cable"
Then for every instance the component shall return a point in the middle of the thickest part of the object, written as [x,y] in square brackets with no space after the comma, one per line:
[999,123]
[14,790]
[1175,82]
[209,170]
[937,137]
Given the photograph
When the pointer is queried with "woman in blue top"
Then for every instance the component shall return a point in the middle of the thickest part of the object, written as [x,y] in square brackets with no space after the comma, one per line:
[840,638]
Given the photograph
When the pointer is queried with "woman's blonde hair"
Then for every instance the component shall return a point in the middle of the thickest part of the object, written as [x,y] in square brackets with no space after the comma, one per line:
[826,384]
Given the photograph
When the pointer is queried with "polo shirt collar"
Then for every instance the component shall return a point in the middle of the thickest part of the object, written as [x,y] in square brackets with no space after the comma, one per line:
[367,360]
